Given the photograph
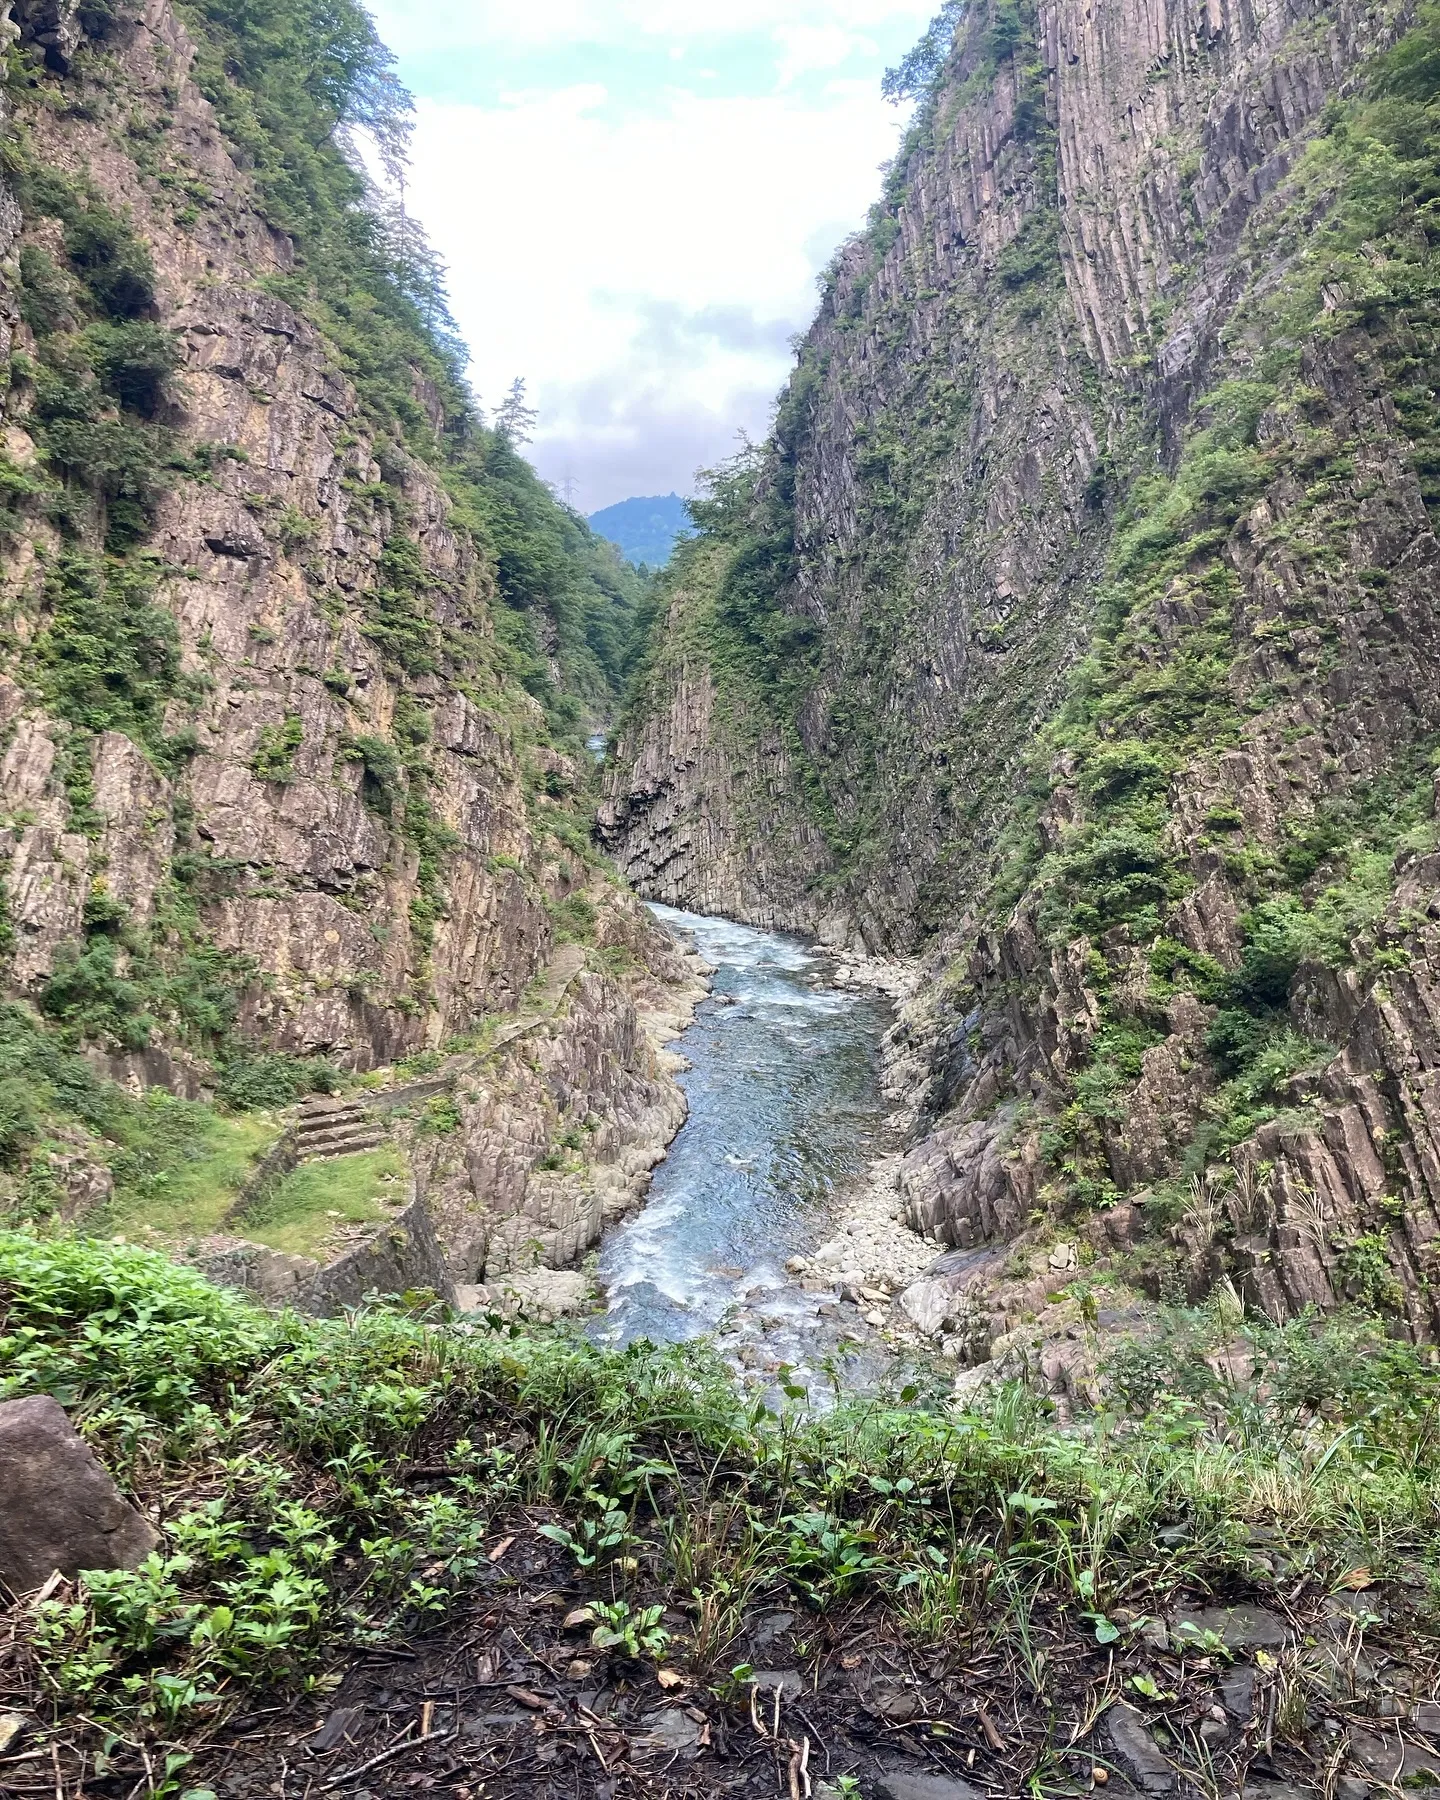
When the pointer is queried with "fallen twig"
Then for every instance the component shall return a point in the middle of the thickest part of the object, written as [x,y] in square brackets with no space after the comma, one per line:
[385,1756]
[799,1769]
[992,1736]
[819,1737]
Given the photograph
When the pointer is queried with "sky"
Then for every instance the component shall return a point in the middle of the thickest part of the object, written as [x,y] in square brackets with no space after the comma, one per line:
[634,199]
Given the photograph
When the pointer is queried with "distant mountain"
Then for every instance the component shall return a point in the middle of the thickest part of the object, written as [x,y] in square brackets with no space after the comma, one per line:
[645,531]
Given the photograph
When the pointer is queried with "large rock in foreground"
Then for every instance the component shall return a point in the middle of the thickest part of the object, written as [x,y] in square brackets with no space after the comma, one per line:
[58,1507]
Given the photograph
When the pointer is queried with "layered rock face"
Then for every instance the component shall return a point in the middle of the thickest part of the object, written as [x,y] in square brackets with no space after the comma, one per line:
[268,784]
[315,889]
[702,812]
[1113,568]
[1021,337]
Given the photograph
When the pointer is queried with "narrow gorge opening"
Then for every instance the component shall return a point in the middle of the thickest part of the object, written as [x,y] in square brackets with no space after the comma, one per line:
[786,1124]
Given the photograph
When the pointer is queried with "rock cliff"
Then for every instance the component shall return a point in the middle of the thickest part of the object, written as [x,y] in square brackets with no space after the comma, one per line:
[1077,627]
[291,781]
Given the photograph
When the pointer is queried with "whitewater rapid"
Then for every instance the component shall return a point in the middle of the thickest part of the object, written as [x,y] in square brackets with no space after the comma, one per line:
[785,1112]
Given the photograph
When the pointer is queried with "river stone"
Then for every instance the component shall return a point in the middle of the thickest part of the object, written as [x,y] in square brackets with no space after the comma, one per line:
[58,1507]
[905,1784]
[1137,1751]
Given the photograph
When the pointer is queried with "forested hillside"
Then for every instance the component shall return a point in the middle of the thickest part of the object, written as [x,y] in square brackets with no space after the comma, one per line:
[645,531]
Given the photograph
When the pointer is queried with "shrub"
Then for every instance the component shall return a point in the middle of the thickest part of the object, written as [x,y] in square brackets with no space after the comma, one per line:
[110,1322]
[88,994]
[574,920]
[133,361]
[103,249]
[107,658]
[47,299]
[253,1081]
[109,258]
[383,769]
[274,758]
[1033,254]
[1128,767]
[21,1116]
[1107,875]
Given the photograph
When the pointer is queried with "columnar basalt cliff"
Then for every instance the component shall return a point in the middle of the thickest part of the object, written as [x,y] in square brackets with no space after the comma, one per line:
[1078,626]
[291,780]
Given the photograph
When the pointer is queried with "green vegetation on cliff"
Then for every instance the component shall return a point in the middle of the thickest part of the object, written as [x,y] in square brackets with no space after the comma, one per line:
[1152,706]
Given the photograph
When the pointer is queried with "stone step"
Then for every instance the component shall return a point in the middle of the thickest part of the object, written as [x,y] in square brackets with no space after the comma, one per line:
[318,1120]
[346,1142]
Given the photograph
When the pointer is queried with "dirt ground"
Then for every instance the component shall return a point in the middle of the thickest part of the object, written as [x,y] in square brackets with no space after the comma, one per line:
[509,1701]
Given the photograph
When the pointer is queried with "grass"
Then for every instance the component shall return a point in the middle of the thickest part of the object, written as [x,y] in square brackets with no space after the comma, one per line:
[190,1193]
[317,1197]
[329,1483]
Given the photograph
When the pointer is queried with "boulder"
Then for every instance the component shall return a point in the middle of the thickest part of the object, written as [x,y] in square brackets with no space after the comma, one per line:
[58,1507]
[943,1296]
[546,1293]
[932,1304]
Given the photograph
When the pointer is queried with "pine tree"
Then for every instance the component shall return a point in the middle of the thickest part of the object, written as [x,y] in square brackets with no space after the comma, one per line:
[514,420]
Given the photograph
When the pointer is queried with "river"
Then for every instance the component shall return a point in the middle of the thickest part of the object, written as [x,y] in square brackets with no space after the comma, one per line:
[786,1113]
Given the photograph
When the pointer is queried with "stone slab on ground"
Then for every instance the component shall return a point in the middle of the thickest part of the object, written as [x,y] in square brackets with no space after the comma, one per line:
[673,1729]
[59,1509]
[1394,1762]
[1240,1627]
[1136,1750]
[910,1784]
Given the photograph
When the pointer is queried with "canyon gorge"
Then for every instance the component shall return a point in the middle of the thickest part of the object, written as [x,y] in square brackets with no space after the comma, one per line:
[1006,829]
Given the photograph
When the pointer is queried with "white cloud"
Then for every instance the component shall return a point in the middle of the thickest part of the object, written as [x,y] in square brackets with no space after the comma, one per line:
[413,27]
[642,271]
[634,234]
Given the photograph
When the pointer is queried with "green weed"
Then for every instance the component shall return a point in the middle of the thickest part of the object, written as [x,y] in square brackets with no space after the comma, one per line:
[310,1203]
